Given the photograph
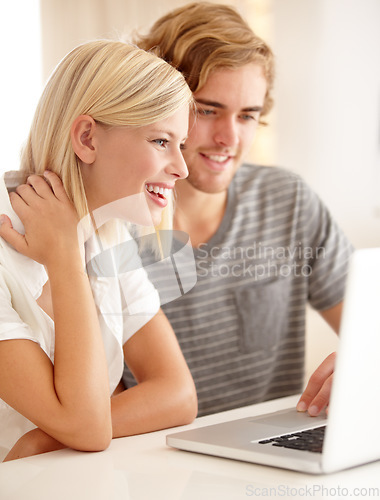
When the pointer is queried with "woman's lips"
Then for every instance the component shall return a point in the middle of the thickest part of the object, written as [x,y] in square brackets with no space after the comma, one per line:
[154,188]
[158,194]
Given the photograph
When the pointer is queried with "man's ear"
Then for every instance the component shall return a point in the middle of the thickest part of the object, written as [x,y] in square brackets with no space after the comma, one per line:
[82,138]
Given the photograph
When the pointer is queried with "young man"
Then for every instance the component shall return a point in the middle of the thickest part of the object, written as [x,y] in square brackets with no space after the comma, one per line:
[264,244]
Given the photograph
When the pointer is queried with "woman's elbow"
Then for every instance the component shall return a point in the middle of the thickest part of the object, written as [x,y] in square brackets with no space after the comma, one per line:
[191,409]
[101,443]
[187,403]
[92,436]
[94,443]
[100,440]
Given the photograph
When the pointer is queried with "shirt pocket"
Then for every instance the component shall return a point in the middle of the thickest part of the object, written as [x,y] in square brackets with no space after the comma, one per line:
[262,314]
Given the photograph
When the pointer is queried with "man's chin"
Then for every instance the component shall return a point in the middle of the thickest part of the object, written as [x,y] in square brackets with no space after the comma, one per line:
[209,186]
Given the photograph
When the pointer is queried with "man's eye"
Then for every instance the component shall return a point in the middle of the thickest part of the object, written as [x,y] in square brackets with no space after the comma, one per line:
[205,112]
[248,117]
[161,142]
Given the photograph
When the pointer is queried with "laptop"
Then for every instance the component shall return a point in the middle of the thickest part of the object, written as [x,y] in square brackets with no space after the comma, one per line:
[350,435]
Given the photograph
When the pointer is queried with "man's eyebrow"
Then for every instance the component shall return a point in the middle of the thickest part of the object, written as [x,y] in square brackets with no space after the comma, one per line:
[216,104]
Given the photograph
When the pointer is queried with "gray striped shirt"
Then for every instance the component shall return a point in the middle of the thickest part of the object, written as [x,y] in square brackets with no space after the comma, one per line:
[242,327]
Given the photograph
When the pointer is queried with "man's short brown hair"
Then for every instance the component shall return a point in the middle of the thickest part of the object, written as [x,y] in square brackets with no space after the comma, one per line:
[202,37]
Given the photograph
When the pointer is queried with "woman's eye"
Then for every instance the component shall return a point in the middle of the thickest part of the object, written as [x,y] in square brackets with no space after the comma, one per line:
[161,142]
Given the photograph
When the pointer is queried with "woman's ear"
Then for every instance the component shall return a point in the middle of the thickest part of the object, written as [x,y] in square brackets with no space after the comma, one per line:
[82,138]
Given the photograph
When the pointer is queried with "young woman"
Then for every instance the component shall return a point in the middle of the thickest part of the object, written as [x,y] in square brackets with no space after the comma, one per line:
[109,127]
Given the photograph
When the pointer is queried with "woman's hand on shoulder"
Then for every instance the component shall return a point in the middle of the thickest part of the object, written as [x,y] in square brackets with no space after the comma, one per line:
[49,218]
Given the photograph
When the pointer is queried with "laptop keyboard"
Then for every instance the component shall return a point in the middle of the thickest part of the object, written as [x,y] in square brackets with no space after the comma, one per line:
[309,440]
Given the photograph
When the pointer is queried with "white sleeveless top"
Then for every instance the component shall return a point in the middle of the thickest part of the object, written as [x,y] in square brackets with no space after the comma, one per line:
[125,302]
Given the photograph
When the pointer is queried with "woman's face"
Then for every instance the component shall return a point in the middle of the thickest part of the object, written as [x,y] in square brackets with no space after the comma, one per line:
[145,161]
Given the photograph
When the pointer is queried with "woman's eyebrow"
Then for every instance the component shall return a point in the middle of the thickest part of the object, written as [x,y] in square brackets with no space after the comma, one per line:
[163,131]
[171,134]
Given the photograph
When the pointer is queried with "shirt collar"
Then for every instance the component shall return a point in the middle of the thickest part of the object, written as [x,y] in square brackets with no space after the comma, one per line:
[30,272]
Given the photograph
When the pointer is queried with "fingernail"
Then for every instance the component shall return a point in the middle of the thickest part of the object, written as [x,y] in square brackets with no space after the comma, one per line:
[313,411]
[301,406]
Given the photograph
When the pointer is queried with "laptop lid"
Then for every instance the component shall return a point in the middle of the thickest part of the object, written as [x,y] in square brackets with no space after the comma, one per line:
[353,431]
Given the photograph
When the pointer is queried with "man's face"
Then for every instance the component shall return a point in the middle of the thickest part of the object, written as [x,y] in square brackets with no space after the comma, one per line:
[221,134]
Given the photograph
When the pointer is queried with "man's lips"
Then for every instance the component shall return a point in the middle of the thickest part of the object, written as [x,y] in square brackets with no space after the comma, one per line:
[217,161]
[218,158]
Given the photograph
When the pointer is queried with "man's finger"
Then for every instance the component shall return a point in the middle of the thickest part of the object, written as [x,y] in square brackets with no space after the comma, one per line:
[316,382]
[322,399]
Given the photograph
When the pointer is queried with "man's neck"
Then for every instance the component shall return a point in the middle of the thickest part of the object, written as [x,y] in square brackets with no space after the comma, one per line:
[197,213]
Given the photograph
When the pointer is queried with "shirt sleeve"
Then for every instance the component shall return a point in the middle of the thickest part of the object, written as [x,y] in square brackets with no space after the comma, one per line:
[19,318]
[329,254]
[140,299]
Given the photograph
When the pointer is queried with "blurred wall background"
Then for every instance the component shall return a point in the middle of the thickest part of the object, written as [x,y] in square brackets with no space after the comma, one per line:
[326,121]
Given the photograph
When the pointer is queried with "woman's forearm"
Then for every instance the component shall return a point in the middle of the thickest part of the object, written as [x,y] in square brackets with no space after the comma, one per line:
[165,395]
[80,367]
[152,406]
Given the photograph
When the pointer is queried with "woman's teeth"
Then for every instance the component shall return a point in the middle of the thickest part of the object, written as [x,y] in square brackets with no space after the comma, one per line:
[158,190]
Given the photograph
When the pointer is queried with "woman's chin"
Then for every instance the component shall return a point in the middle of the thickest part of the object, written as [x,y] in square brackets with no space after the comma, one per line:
[156,218]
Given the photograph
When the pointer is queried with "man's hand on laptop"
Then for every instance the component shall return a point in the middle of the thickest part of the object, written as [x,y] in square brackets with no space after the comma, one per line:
[316,396]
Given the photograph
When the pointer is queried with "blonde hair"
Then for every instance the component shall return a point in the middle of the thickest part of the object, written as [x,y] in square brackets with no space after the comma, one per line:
[117,84]
[202,37]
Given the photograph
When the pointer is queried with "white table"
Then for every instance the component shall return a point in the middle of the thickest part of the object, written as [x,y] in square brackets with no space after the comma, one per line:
[144,468]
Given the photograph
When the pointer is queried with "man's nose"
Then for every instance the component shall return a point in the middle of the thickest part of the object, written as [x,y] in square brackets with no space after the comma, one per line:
[226,132]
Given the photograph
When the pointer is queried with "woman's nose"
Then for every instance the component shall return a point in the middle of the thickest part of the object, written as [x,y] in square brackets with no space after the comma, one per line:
[180,167]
